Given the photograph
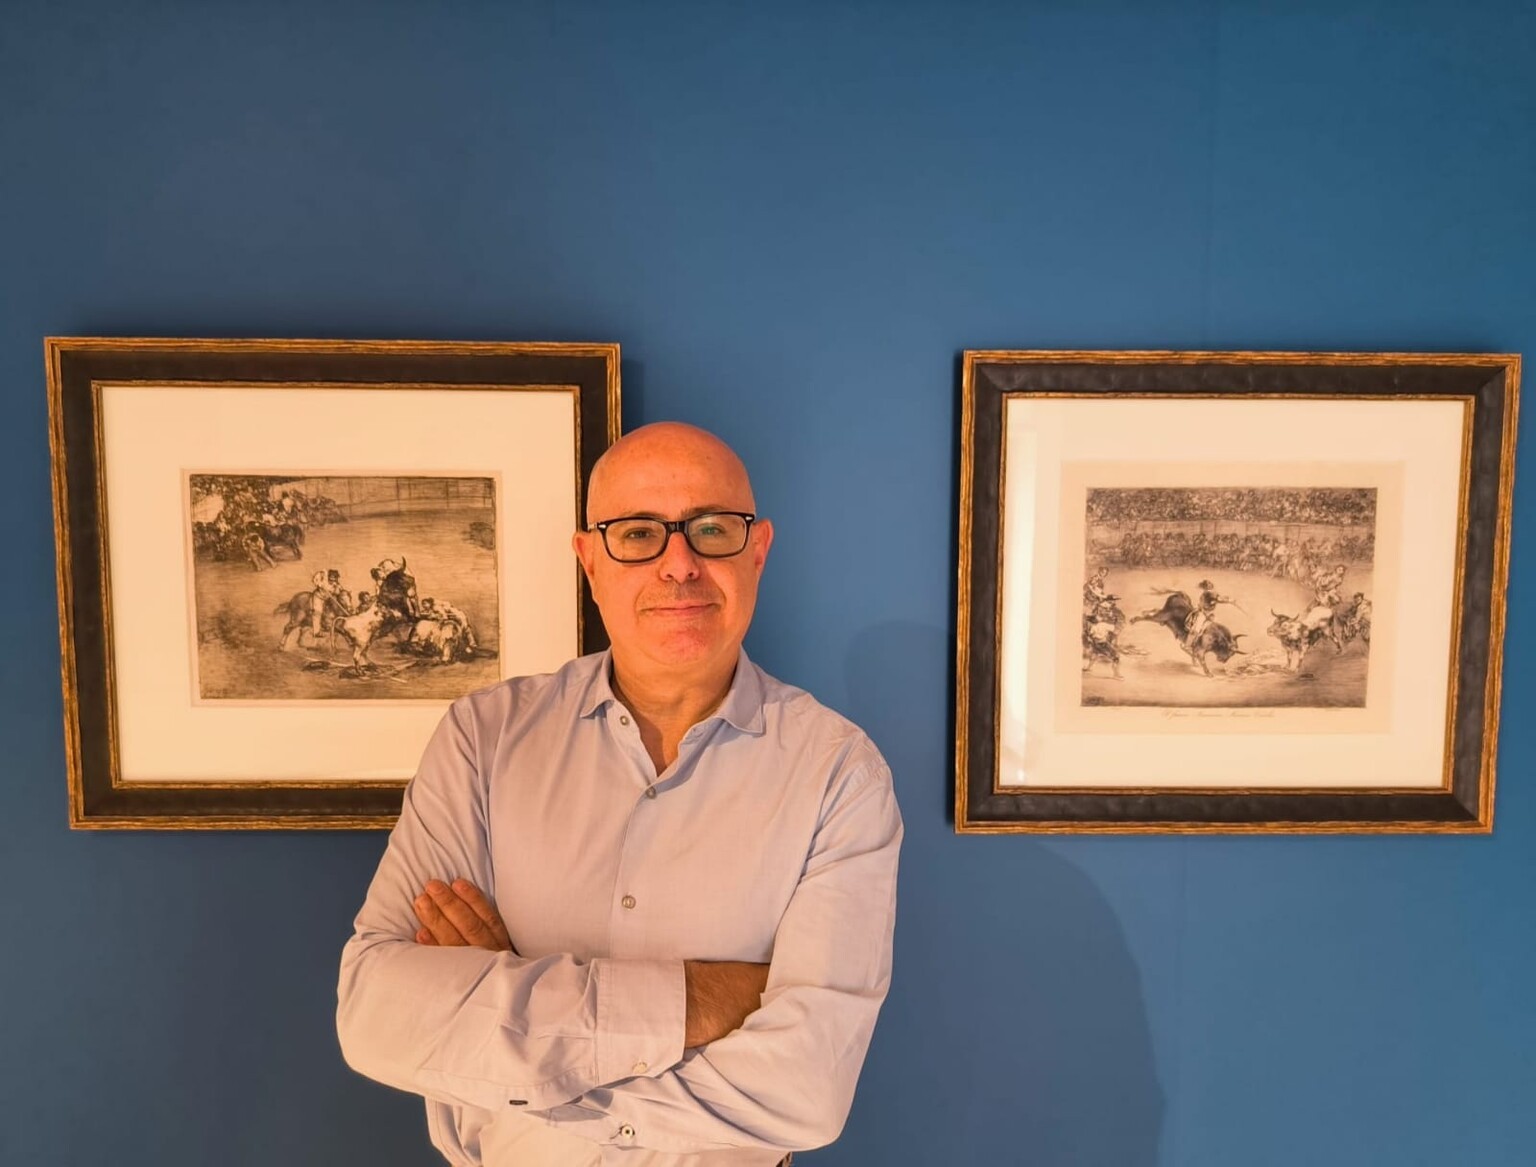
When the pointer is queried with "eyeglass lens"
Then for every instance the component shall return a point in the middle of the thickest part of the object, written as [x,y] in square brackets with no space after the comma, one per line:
[712,536]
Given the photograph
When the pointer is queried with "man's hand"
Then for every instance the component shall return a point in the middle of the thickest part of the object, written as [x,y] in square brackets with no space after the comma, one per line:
[459,916]
[721,993]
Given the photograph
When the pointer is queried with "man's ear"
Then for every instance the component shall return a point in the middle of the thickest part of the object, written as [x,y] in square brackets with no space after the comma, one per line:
[762,539]
[584,544]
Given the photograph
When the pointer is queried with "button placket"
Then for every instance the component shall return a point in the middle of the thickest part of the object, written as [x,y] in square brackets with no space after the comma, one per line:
[631,870]
[630,739]
[636,830]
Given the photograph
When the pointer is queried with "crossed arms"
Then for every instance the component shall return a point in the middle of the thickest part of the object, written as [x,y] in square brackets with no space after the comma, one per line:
[688,1056]
[721,993]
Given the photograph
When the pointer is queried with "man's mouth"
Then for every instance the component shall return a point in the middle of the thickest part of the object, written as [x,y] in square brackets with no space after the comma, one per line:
[679,607]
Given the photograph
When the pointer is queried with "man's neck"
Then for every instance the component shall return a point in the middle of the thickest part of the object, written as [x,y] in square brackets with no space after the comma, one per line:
[666,706]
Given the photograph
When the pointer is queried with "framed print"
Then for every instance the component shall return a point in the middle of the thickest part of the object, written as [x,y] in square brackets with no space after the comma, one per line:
[280,560]
[1231,591]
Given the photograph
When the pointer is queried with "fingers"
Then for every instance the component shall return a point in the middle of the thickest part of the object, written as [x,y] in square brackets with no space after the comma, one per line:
[458,916]
[485,911]
[434,922]
[464,919]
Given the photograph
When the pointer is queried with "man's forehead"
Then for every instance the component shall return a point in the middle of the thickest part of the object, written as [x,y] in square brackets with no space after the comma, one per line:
[670,496]
[668,470]
[642,471]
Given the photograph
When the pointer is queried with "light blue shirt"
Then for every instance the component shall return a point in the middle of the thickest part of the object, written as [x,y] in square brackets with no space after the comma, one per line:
[773,837]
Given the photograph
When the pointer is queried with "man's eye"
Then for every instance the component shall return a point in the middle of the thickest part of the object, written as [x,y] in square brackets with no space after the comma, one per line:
[637,534]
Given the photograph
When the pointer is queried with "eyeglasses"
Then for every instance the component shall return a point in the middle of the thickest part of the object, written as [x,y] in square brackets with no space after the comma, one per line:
[717,535]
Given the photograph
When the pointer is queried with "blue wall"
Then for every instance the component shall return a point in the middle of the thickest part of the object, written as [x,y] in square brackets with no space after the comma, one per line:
[793,216]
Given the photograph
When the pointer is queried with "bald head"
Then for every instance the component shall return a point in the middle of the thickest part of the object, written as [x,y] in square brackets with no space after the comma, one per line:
[675,621]
[659,459]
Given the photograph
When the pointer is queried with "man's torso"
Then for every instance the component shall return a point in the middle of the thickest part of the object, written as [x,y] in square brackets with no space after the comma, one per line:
[584,861]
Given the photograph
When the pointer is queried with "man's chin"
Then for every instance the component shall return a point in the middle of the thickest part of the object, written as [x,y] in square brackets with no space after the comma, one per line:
[685,647]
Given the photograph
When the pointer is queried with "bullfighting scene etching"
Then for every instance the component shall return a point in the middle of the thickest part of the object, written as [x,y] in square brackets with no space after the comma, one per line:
[343,587]
[1228,597]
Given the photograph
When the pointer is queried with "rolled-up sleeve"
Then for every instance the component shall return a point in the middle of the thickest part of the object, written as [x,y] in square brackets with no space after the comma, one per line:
[785,1079]
[471,1027]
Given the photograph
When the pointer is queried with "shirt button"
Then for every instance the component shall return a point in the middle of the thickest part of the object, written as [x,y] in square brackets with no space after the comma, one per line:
[650,792]
[639,1068]
[623,721]
[626,1131]
[628,901]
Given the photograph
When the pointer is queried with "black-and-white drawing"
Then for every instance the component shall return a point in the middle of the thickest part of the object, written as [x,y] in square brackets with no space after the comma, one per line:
[343,587]
[1240,597]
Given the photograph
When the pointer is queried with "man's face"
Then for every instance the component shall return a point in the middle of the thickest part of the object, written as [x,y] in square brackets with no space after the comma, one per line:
[681,611]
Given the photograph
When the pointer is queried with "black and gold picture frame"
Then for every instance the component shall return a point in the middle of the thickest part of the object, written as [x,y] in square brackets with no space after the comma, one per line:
[1231,592]
[280,560]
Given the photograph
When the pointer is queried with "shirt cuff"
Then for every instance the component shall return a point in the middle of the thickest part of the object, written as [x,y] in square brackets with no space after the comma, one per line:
[642,1011]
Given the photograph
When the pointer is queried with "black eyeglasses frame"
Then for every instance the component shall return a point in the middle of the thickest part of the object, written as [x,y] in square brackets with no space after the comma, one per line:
[675,526]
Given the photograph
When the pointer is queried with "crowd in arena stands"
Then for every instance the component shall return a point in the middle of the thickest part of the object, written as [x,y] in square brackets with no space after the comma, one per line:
[1330,506]
[1253,552]
[252,510]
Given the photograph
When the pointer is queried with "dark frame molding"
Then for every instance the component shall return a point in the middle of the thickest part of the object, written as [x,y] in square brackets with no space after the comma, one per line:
[98,797]
[1489,381]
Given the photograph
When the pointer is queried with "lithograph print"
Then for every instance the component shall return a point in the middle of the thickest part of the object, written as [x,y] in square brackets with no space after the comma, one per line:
[343,587]
[1227,596]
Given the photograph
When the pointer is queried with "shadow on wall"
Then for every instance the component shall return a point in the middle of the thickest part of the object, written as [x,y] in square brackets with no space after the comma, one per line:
[1015,1031]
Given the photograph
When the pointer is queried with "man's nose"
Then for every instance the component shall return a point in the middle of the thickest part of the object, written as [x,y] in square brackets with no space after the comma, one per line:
[678,562]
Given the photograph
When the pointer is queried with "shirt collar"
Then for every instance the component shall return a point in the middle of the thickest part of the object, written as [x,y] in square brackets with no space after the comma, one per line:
[741,708]
[743,704]
[600,685]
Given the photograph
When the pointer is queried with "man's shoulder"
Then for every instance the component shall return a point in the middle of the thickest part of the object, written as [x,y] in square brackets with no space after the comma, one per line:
[796,717]
[567,688]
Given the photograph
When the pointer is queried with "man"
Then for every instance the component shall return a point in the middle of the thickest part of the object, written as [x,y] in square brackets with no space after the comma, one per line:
[256,550]
[1328,585]
[637,911]
[447,613]
[328,594]
[1203,612]
[1095,589]
[440,632]
[1101,628]
[1359,618]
